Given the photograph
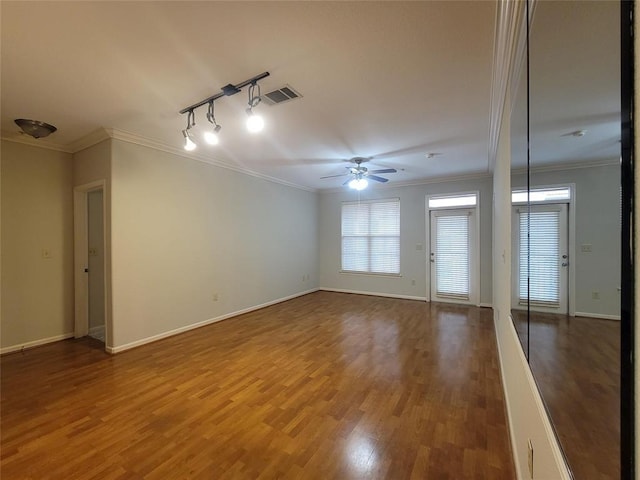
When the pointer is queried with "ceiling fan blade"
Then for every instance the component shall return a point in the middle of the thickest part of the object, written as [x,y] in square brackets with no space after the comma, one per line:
[333,176]
[384,170]
[378,179]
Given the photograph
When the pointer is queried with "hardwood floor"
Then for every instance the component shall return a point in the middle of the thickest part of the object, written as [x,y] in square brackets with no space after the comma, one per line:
[576,363]
[325,386]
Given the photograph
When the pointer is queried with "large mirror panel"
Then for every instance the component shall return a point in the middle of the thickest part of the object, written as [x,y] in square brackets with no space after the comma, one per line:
[570,228]
[519,161]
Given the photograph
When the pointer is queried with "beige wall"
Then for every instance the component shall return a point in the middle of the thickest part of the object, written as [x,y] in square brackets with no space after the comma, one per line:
[93,165]
[37,215]
[185,231]
[179,232]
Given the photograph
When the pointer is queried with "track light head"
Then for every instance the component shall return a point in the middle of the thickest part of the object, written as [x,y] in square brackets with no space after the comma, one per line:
[211,137]
[255,123]
[189,145]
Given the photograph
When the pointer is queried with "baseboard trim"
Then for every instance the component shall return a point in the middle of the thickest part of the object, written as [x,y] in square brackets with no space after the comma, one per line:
[533,387]
[204,323]
[35,343]
[96,330]
[373,294]
[600,316]
[507,403]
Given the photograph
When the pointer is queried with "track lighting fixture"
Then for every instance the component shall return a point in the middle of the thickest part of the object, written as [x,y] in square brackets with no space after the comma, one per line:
[255,123]
[189,144]
[211,136]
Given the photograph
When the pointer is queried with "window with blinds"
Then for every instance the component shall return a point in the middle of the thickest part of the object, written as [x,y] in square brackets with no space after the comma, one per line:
[541,253]
[371,237]
[452,260]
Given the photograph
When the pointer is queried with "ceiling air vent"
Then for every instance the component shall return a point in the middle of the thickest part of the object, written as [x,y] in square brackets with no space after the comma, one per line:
[280,95]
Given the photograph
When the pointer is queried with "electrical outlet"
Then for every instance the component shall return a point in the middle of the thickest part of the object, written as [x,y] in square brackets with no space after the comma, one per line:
[46,253]
[530,458]
[585,247]
[413,282]
[419,247]
[595,295]
[214,297]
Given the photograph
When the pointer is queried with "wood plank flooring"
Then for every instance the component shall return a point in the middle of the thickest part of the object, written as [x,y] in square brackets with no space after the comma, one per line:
[576,363]
[325,386]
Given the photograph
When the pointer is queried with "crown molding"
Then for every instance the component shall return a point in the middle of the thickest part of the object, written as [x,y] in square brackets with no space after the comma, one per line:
[102,134]
[508,58]
[89,140]
[424,181]
[135,139]
[24,139]
[567,166]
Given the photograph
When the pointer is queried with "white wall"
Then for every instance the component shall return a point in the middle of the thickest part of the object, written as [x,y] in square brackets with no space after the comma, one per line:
[37,214]
[184,231]
[597,223]
[412,233]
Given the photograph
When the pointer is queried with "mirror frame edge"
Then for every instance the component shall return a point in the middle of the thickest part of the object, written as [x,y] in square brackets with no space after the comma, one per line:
[627,307]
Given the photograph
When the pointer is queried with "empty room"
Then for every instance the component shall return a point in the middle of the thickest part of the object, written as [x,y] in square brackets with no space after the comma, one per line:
[317,240]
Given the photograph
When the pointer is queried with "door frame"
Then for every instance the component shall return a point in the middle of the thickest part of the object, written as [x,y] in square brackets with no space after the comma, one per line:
[563,210]
[475,277]
[81,257]
[571,235]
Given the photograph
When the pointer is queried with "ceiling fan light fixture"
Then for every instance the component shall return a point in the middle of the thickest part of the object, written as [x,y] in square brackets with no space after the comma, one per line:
[35,128]
[358,183]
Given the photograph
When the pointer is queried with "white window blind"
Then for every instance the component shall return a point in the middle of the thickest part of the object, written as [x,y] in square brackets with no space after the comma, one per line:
[371,237]
[543,260]
[452,256]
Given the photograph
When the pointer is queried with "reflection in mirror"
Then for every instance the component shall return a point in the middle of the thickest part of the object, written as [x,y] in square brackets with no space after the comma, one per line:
[518,135]
[574,240]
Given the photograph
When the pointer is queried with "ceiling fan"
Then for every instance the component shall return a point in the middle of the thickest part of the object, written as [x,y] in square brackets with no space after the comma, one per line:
[360,175]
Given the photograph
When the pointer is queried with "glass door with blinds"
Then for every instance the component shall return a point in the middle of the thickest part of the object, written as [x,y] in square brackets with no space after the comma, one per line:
[547,250]
[452,256]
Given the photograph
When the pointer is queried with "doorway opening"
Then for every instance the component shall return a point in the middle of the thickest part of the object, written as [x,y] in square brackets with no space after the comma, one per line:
[90,262]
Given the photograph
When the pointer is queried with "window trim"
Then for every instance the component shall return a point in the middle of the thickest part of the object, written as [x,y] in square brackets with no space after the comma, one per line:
[568,186]
[367,273]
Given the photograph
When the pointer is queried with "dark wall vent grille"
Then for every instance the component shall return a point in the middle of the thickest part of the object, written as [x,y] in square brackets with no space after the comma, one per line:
[280,95]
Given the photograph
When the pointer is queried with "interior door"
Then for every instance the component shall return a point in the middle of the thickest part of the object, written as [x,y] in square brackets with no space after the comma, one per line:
[452,256]
[546,280]
[96,273]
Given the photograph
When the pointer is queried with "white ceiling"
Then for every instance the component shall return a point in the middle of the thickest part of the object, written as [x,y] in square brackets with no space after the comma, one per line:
[574,85]
[388,80]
